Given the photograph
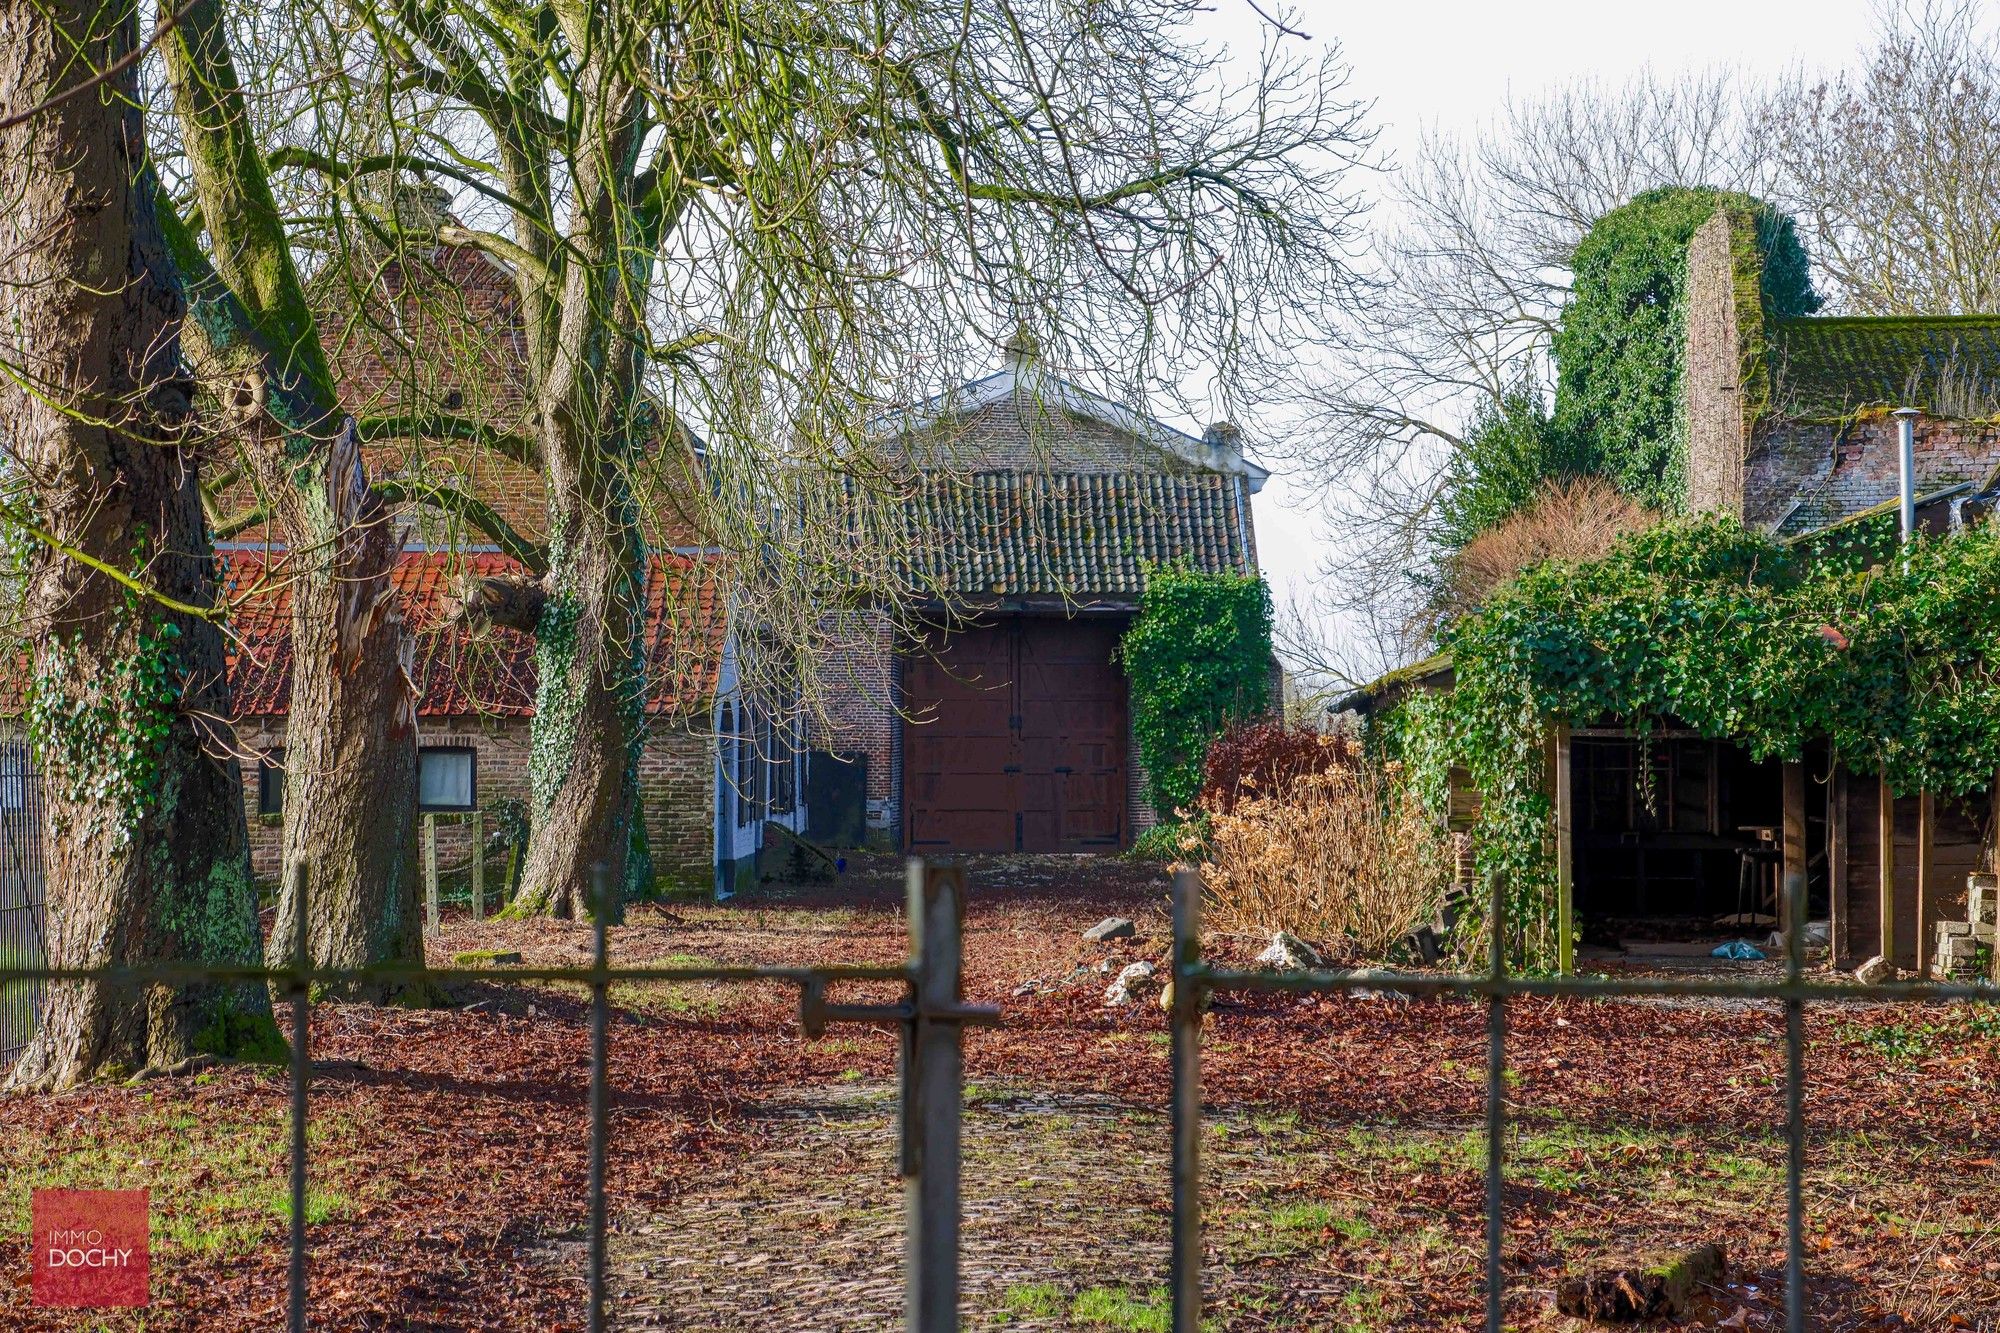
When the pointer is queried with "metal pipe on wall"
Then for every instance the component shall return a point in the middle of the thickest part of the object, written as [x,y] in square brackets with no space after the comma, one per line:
[1906,467]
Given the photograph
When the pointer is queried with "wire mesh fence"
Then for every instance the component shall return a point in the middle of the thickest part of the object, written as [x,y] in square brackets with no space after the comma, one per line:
[22,894]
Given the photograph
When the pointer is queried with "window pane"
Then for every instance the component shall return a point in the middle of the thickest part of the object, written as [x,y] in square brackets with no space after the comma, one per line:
[271,783]
[444,779]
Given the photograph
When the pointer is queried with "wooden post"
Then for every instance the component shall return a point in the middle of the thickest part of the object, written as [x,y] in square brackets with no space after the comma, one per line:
[430,874]
[1926,880]
[478,824]
[1839,911]
[1793,881]
[1886,818]
[1565,802]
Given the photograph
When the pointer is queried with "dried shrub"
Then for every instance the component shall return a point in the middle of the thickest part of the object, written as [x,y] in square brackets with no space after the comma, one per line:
[1347,856]
[1263,759]
[1574,519]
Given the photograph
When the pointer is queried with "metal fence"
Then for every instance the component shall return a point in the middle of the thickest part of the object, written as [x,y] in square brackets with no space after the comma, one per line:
[931,1018]
[1194,980]
[22,891]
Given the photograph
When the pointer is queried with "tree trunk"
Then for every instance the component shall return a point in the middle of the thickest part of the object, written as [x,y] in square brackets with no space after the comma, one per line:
[590,643]
[589,713]
[350,740]
[351,732]
[147,848]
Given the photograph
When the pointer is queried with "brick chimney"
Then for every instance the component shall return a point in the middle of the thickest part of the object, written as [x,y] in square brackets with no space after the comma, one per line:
[1713,372]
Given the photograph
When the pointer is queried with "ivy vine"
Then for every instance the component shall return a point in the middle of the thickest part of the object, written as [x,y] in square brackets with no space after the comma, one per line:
[103,744]
[1887,658]
[1197,656]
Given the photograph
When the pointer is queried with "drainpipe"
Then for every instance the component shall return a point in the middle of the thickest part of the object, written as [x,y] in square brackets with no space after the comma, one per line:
[1906,467]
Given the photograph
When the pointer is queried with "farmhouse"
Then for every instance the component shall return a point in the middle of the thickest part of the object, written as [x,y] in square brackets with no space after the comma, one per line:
[1793,428]
[997,720]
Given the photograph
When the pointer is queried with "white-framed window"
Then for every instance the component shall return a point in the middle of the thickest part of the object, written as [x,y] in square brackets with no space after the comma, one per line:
[447,777]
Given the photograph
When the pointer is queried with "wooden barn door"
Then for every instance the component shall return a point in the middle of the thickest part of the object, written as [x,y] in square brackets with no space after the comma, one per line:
[1016,740]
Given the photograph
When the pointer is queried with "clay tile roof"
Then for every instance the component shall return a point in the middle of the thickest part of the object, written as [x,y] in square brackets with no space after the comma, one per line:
[1833,367]
[1066,534]
[463,673]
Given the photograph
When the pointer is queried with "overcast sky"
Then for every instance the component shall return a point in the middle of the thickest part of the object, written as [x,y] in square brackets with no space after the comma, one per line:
[1451,64]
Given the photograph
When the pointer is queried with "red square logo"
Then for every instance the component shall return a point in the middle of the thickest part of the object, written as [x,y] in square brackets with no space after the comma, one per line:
[90,1248]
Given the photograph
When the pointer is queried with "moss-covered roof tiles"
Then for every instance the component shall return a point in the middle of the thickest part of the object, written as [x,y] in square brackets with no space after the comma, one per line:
[1012,534]
[1826,368]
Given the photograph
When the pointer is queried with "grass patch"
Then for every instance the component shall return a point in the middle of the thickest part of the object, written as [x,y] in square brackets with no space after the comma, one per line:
[1318,1219]
[1034,1300]
[1123,1308]
[218,1182]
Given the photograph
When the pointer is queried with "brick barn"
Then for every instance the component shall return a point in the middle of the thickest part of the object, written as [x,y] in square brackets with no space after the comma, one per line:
[1034,509]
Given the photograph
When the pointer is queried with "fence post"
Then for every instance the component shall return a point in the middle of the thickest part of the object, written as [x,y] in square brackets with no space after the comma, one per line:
[933,1081]
[478,821]
[1185,1263]
[430,875]
[301,998]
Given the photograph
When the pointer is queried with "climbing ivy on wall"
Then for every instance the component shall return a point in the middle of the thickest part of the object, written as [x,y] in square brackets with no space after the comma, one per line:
[1895,668]
[1619,345]
[1198,656]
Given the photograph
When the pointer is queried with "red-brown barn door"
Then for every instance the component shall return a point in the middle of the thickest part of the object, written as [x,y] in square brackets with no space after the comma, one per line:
[1017,740]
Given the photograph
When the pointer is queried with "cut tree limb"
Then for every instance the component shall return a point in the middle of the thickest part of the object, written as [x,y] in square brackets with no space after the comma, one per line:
[1658,1285]
[513,601]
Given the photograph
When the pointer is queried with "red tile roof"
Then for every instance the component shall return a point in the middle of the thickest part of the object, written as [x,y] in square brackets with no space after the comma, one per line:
[462,672]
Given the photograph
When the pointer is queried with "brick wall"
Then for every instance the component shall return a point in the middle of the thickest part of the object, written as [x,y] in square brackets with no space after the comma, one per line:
[677,791]
[859,709]
[675,788]
[1711,373]
[1025,434]
[1858,463]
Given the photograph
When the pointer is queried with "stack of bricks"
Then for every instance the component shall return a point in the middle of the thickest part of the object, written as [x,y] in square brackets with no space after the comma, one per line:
[1965,947]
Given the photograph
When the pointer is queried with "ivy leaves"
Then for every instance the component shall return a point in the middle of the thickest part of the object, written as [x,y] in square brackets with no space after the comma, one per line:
[105,740]
[1197,657]
[1895,666]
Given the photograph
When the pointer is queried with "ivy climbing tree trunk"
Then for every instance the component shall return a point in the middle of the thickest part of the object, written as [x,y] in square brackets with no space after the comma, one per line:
[351,733]
[590,641]
[144,827]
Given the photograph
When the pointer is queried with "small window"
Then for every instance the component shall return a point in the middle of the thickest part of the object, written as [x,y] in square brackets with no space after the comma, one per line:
[271,782]
[445,779]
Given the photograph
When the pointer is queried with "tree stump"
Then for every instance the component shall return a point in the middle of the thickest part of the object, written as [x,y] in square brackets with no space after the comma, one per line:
[1655,1286]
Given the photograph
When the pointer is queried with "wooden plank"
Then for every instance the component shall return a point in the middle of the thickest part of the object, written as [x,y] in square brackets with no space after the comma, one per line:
[1885,853]
[1926,879]
[1565,801]
[477,821]
[430,874]
[1840,915]
[1792,885]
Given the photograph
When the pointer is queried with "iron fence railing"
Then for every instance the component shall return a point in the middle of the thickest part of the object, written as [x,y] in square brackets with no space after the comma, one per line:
[931,1018]
[1193,980]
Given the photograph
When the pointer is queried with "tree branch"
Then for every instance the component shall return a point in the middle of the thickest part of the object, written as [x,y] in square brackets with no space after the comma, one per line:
[470,509]
[512,445]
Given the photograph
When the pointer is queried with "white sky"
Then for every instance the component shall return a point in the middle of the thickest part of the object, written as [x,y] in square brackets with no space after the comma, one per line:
[1452,63]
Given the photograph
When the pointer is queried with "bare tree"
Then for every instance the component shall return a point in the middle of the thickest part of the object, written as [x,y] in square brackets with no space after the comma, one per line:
[1891,169]
[147,848]
[1470,272]
[748,229]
